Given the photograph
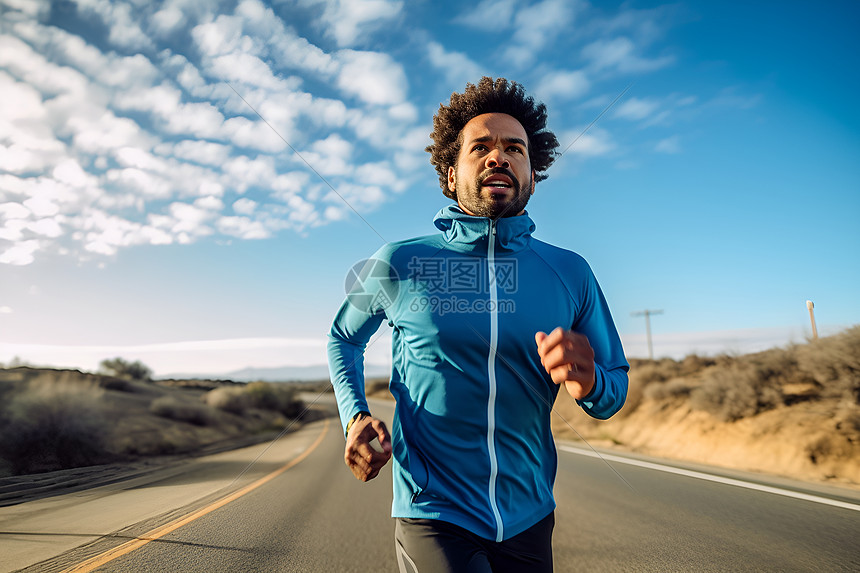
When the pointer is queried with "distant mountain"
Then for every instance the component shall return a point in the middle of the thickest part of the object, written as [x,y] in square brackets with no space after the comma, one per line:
[283,374]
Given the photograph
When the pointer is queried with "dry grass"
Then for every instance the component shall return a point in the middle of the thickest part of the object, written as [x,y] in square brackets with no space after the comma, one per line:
[53,425]
[56,419]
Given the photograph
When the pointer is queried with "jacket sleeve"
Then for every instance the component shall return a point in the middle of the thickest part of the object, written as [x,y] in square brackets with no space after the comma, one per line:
[610,373]
[353,326]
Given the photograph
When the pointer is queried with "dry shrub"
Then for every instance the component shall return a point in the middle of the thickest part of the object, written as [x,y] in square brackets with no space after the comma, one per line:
[675,388]
[228,398]
[275,397]
[648,372]
[834,364]
[694,364]
[50,426]
[169,407]
[736,392]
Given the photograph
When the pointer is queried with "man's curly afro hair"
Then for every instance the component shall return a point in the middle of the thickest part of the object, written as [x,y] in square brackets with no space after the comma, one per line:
[489,96]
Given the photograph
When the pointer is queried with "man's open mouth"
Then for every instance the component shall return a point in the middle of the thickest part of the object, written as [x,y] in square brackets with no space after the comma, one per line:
[497,182]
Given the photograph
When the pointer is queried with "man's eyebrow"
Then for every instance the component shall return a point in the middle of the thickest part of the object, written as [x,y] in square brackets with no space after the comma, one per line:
[486,138]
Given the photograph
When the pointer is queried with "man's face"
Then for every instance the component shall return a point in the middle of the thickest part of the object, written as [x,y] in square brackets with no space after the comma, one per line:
[493,176]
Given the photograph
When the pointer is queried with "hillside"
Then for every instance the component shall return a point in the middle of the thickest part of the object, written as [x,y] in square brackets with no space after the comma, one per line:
[59,419]
[791,411]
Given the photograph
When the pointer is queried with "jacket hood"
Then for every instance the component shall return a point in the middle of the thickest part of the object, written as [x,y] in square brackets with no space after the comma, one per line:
[467,233]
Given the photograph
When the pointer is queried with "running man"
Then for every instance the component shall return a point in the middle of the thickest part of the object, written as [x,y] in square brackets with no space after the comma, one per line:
[475,373]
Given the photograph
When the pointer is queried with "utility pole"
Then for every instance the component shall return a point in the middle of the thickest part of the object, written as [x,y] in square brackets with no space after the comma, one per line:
[810,306]
[647,314]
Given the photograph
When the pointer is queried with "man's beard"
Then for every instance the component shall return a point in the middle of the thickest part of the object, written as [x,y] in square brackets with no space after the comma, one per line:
[482,206]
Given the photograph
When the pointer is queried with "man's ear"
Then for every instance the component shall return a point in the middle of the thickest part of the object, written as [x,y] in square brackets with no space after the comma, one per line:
[533,183]
[452,180]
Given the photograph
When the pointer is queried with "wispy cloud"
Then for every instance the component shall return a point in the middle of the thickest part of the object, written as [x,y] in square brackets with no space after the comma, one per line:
[537,26]
[457,67]
[636,108]
[595,142]
[621,55]
[348,21]
[669,145]
[533,26]
[563,85]
[499,12]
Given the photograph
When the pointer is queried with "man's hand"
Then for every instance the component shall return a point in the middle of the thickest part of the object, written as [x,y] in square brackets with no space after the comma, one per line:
[569,359]
[361,457]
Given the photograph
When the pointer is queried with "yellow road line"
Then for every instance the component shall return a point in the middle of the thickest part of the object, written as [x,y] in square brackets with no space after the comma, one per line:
[99,560]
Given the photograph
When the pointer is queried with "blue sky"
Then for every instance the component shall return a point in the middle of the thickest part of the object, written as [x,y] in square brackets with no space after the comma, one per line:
[146,210]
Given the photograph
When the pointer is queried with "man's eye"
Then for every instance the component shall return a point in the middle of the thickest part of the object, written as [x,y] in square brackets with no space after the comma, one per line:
[515,149]
[479,148]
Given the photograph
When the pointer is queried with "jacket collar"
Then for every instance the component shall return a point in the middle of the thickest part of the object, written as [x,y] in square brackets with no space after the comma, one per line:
[467,233]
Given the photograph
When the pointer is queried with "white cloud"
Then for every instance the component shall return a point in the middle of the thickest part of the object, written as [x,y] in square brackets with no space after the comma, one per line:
[670,145]
[32,8]
[330,156]
[244,172]
[373,77]
[20,254]
[244,206]
[243,132]
[6,310]
[620,54]
[176,14]
[636,109]
[245,68]
[495,13]
[209,202]
[69,171]
[14,211]
[13,230]
[123,24]
[107,133]
[379,174]
[42,206]
[243,228]
[204,152]
[347,21]
[563,85]
[21,101]
[190,219]
[536,26]
[593,143]
[46,227]
[457,67]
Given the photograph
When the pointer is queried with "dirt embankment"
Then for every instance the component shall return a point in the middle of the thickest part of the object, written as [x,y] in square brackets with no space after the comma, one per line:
[793,412]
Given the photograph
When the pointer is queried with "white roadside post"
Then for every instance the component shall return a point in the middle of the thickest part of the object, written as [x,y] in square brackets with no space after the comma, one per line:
[810,306]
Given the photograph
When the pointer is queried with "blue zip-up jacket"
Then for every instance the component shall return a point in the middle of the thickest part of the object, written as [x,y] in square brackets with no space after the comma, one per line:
[471,432]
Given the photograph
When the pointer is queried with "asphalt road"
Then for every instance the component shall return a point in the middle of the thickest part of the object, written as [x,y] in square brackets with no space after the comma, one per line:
[611,516]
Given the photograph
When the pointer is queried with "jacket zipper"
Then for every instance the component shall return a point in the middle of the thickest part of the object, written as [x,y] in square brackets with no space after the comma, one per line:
[491,372]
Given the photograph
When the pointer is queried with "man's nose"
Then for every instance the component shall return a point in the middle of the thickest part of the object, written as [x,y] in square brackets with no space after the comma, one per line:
[496,158]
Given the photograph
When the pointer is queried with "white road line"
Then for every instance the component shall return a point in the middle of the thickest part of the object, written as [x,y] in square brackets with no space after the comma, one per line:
[713,478]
